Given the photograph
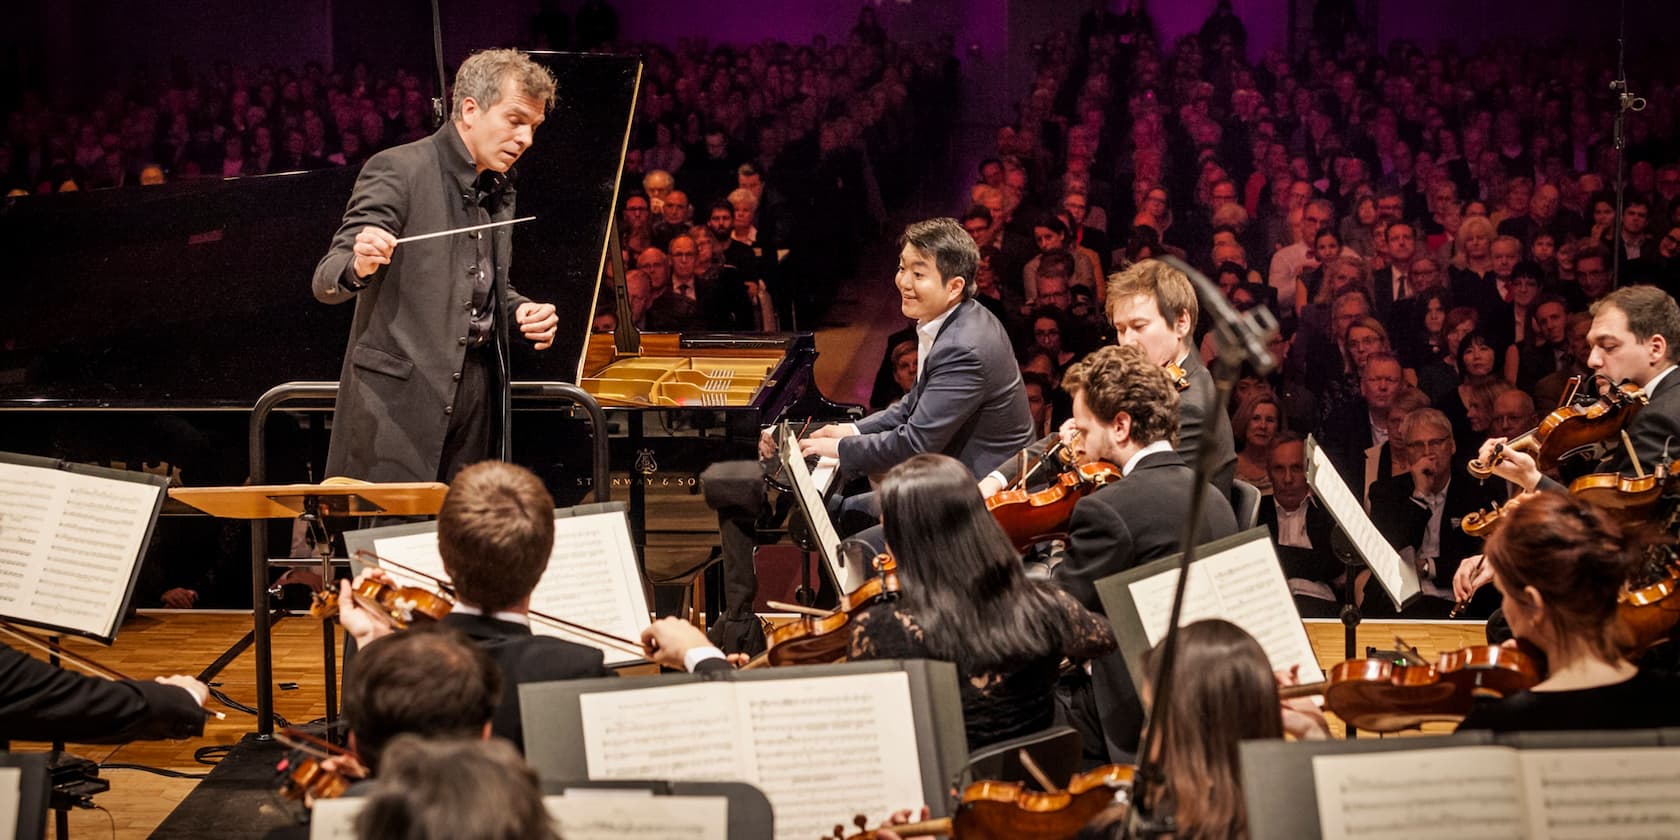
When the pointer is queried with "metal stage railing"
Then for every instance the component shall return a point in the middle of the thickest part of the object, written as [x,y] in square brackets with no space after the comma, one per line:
[261,622]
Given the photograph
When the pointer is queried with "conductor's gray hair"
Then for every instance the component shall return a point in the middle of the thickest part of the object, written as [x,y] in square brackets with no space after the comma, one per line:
[482,74]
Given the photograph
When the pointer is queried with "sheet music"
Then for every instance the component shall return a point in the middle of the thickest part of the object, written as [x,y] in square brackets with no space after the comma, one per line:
[11,798]
[816,515]
[639,817]
[1443,794]
[1398,579]
[776,734]
[591,578]
[1243,585]
[1582,794]
[335,819]
[68,545]
[677,733]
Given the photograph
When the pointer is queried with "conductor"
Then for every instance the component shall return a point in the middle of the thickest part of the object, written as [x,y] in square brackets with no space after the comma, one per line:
[422,389]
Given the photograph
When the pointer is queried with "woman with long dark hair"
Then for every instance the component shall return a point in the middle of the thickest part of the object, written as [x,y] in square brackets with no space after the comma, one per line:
[1560,564]
[965,598]
[1224,692]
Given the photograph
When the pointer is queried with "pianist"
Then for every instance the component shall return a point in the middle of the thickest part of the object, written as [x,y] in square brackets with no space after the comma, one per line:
[422,387]
[968,402]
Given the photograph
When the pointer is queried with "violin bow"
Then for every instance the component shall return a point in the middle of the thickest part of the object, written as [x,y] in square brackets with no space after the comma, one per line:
[86,663]
[553,621]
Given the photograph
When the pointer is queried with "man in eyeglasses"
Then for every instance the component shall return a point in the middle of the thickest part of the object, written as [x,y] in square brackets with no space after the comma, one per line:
[1419,512]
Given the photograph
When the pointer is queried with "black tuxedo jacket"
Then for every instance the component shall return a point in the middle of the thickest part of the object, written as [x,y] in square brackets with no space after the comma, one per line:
[1318,563]
[1403,521]
[525,658]
[39,702]
[1125,524]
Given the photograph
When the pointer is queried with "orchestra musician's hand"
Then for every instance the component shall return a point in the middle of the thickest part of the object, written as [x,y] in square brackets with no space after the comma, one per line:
[199,691]
[1301,716]
[1473,574]
[373,248]
[538,322]
[666,641]
[359,621]
[180,598]
[767,447]
[989,487]
[1514,466]
[901,817]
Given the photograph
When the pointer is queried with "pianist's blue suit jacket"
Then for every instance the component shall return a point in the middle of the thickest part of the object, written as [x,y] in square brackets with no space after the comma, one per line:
[969,403]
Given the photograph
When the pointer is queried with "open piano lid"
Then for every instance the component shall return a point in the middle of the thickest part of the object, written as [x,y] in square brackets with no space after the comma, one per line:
[196,294]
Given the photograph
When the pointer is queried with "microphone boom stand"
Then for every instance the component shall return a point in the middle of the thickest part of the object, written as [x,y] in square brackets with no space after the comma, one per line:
[1241,338]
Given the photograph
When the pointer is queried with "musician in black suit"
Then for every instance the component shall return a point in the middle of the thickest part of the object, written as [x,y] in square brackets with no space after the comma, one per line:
[495,534]
[1635,338]
[1125,411]
[41,702]
[421,388]
[1419,513]
[968,400]
[1153,307]
[1300,528]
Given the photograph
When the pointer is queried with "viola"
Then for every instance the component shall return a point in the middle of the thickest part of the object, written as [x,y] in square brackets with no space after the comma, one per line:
[1391,694]
[825,638]
[1032,517]
[399,605]
[1571,430]
[991,810]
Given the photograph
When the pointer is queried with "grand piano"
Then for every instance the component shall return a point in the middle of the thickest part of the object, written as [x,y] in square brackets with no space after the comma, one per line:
[143,323]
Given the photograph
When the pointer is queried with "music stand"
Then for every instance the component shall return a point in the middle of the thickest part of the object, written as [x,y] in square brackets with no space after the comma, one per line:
[314,503]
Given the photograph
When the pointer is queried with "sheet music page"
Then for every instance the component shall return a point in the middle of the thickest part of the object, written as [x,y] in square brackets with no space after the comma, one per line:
[800,727]
[688,732]
[640,817]
[1629,792]
[1473,793]
[591,579]
[68,545]
[1243,585]
[1397,578]
[335,819]
[816,515]
[11,798]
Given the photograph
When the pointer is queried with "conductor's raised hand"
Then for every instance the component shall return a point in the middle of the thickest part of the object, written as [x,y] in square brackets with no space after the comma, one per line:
[538,322]
[373,248]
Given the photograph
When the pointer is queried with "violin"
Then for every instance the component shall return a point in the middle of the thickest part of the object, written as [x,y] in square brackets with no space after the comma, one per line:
[1571,430]
[991,810]
[1404,691]
[1029,517]
[1648,607]
[436,605]
[825,638]
[401,606]
[303,775]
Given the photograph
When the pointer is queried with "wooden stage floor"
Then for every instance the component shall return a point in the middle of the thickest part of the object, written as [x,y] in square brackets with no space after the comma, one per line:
[166,642]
